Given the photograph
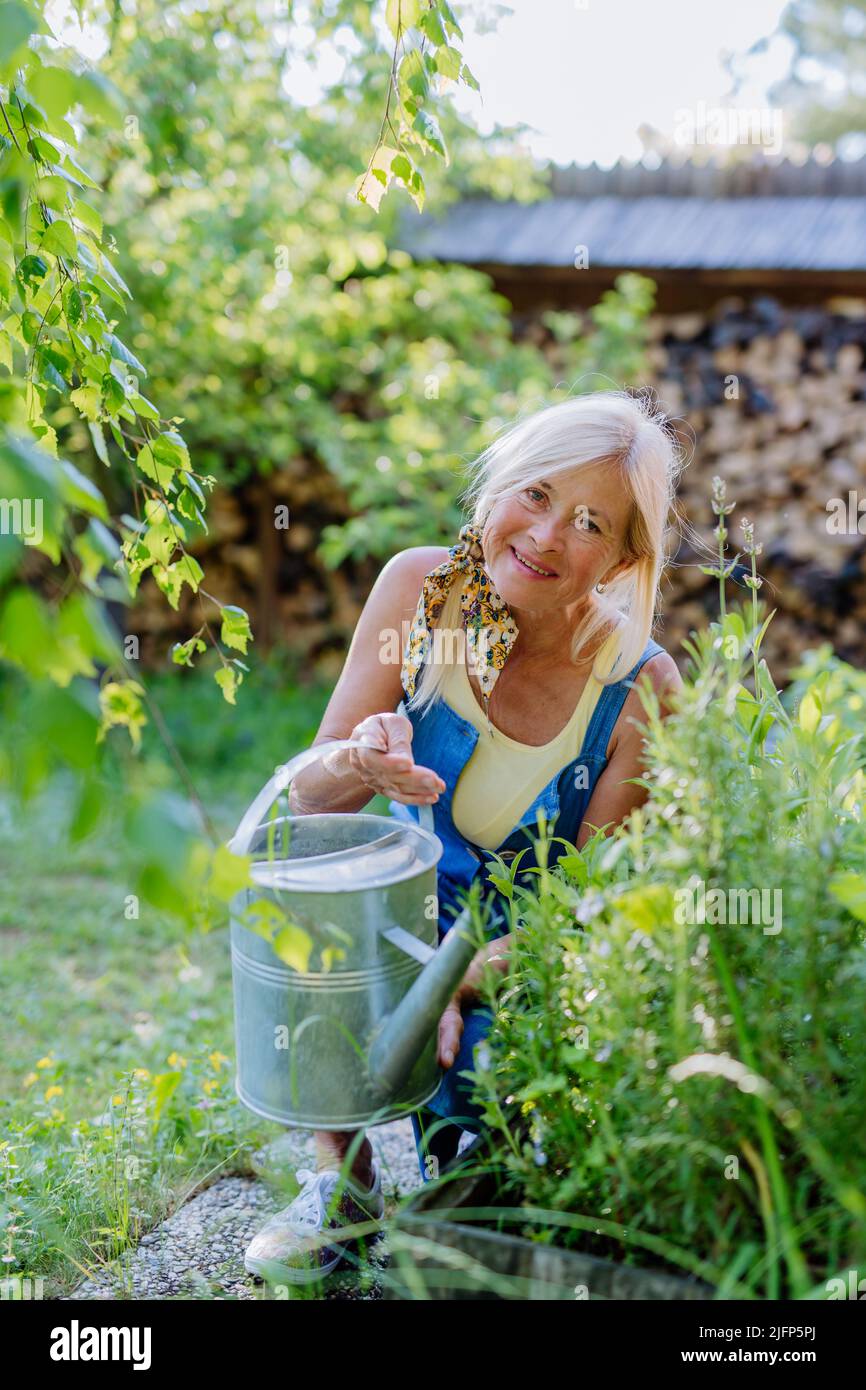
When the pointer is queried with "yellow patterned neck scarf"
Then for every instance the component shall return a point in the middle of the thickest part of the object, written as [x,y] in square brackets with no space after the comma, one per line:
[490,629]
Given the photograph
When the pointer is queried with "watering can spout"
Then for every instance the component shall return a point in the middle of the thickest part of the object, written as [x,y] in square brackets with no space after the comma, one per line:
[405,1033]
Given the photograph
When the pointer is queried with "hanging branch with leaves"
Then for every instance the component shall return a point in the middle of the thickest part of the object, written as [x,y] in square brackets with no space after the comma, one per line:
[408,124]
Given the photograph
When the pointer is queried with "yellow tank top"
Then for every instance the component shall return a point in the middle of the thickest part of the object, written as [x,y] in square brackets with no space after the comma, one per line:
[502,777]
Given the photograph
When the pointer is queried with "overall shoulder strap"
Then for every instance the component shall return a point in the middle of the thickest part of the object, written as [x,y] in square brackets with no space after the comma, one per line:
[610,703]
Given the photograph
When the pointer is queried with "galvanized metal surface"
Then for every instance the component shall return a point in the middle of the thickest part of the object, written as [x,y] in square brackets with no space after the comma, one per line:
[351,1040]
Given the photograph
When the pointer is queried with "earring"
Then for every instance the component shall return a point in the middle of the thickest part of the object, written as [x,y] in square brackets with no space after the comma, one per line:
[600,588]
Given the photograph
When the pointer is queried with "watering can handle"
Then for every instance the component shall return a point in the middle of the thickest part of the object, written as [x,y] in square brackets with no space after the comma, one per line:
[283,775]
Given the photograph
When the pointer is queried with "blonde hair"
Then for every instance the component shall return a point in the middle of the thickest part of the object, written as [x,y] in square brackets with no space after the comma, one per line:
[633,434]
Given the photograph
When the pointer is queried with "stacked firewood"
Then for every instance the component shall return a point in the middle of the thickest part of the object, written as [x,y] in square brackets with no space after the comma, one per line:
[771,399]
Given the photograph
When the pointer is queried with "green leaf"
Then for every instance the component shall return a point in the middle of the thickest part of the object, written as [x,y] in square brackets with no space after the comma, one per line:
[182,652]
[228,680]
[120,705]
[96,548]
[53,88]
[16,25]
[546,1085]
[263,916]
[411,77]
[161,473]
[82,174]
[809,713]
[60,239]
[143,407]
[756,645]
[402,13]
[26,636]
[51,189]
[449,62]
[448,15]
[99,442]
[235,631]
[187,506]
[427,127]
[169,448]
[73,303]
[89,806]
[87,399]
[103,286]
[163,1088]
[193,485]
[229,873]
[111,274]
[432,26]
[32,268]
[78,491]
[42,149]
[294,946]
[850,890]
[121,351]
[171,578]
[88,217]
[401,168]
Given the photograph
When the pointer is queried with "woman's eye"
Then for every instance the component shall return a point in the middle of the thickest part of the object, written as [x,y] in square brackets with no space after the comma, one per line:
[535,493]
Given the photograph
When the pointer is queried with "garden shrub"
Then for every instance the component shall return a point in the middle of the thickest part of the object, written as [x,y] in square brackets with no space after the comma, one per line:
[692,1082]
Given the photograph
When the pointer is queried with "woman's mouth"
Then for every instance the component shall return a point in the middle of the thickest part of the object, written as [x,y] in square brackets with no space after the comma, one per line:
[528,566]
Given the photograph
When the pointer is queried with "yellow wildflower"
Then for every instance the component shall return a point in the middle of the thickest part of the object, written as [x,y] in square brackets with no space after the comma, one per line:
[175,1060]
[216,1059]
[45,1062]
[53,1091]
[30,1078]
[209,1085]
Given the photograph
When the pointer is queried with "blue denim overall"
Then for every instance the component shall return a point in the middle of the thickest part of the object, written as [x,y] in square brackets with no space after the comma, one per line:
[444,741]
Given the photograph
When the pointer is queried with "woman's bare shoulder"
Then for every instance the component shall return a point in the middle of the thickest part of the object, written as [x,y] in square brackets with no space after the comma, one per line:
[406,571]
[664,674]
[416,561]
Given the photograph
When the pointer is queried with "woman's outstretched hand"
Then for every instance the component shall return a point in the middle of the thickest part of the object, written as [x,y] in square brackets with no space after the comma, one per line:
[386,765]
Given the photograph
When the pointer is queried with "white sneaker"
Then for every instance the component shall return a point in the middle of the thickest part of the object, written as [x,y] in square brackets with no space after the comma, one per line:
[286,1249]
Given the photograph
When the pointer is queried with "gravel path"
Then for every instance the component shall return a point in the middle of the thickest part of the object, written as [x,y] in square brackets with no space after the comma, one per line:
[198,1252]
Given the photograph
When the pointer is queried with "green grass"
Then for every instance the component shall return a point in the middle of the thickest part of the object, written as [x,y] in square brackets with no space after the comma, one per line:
[117,1042]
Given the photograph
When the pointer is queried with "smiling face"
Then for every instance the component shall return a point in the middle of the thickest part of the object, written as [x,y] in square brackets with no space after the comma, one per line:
[572,527]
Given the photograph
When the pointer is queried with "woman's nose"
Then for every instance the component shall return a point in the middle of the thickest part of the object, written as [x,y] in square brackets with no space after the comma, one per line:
[548,533]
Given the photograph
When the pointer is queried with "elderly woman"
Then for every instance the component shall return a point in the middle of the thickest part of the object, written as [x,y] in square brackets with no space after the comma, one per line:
[551,591]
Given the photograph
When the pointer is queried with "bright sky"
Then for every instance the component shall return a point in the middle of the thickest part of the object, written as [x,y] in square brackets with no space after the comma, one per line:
[587,73]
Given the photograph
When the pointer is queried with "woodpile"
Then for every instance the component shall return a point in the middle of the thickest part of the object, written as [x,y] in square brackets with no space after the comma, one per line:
[771,399]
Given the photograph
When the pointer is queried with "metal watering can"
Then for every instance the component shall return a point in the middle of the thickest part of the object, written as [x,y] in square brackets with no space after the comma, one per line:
[350,1040]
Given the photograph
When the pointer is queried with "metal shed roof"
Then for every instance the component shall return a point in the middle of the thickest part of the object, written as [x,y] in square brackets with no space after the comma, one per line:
[684,218]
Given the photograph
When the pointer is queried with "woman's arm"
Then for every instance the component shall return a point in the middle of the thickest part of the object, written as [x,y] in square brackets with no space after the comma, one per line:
[369,686]
[614,795]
